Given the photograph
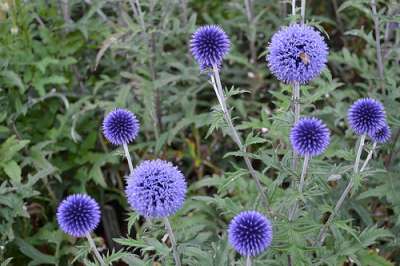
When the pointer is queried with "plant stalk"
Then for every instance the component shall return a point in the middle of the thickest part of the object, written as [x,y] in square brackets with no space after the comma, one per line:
[303,11]
[216,81]
[322,233]
[128,157]
[248,261]
[369,156]
[301,185]
[173,241]
[296,111]
[94,249]
[378,44]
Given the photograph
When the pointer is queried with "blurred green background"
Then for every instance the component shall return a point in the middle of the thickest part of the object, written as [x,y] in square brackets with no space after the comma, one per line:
[64,64]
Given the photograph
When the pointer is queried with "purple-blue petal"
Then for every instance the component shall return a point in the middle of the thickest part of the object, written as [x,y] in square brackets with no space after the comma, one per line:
[156,189]
[78,215]
[250,233]
[297,53]
[366,116]
[120,127]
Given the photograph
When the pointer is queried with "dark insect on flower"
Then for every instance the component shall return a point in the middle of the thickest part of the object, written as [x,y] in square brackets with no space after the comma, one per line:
[382,135]
[310,136]
[297,53]
[366,116]
[120,127]
[156,189]
[78,215]
[250,233]
[209,45]
[305,58]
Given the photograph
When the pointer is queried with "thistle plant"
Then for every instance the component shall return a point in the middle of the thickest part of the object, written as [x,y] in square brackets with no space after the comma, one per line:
[78,215]
[250,233]
[309,138]
[121,127]
[157,189]
[296,55]
[209,45]
[366,117]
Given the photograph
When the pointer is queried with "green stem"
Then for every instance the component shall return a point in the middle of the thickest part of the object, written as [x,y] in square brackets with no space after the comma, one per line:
[128,157]
[173,241]
[216,82]
[94,249]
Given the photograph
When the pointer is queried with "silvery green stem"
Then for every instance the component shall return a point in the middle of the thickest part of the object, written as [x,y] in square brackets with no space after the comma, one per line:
[369,156]
[128,157]
[173,241]
[216,82]
[293,7]
[301,185]
[94,249]
[322,233]
[375,17]
[303,11]
[359,151]
[248,261]
[296,111]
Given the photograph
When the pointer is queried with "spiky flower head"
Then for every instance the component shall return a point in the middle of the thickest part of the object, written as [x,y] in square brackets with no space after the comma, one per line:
[209,45]
[120,126]
[250,233]
[309,136]
[366,116]
[78,215]
[382,135]
[297,53]
[156,189]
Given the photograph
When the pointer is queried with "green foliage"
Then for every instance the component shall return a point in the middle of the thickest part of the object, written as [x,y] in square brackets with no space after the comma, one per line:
[62,66]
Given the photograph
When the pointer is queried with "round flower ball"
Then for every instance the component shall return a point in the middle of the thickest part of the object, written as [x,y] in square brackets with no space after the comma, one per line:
[366,116]
[309,136]
[250,233]
[156,189]
[78,215]
[382,135]
[209,45]
[297,53]
[120,126]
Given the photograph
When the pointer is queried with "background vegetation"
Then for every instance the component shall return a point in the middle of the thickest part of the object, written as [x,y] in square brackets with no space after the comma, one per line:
[63,64]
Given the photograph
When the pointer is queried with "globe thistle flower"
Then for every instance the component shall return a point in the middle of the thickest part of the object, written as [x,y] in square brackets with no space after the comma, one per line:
[366,116]
[209,45]
[297,53]
[120,127]
[156,189]
[382,135]
[250,233]
[78,215]
[309,137]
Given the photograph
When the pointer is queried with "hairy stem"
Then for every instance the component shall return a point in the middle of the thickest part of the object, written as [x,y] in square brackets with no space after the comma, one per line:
[322,233]
[378,43]
[301,186]
[248,261]
[293,7]
[296,112]
[173,241]
[369,156]
[303,11]
[216,81]
[128,157]
[94,249]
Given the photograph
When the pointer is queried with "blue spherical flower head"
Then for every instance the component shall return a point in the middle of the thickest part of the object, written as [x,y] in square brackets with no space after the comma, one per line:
[382,135]
[78,215]
[156,189]
[250,233]
[120,127]
[297,53]
[209,45]
[366,116]
[310,136]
